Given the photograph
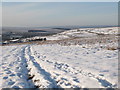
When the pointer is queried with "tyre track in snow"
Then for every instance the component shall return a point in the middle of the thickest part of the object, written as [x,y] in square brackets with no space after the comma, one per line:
[25,64]
[37,74]
[68,69]
[58,78]
[14,70]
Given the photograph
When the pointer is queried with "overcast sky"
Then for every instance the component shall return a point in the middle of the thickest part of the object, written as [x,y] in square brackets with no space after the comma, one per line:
[39,14]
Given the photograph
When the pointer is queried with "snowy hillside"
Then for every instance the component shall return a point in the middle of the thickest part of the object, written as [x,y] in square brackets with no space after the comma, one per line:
[75,33]
[84,32]
[55,65]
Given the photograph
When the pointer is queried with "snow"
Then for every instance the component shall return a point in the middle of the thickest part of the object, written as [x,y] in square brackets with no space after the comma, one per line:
[108,30]
[61,66]
[90,60]
[14,71]
[83,32]
[55,66]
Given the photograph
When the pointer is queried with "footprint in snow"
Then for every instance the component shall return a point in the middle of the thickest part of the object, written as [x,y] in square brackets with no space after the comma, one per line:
[76,80]
[19,74]
[38,56]
[10,65]
[67,84]
[15,87]
[5,77]
[49,61]
[44,56]
[18,68]
[101,74]
[10,82]
[8,72]
[3,67]
[64,79]
[57,74]
[12,75]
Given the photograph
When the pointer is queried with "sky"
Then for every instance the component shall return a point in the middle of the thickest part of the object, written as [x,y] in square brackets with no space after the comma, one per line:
[60,0]
[44,14]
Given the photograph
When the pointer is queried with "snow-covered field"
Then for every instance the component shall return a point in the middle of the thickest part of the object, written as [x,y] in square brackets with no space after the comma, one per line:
[84,32]
[58,66]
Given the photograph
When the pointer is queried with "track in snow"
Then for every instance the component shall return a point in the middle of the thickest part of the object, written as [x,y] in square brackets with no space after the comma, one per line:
[41,78]
[29,69]
[14,72]
[44,79]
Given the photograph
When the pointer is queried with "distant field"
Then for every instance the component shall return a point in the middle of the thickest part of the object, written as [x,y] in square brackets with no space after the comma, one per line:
[8,32]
